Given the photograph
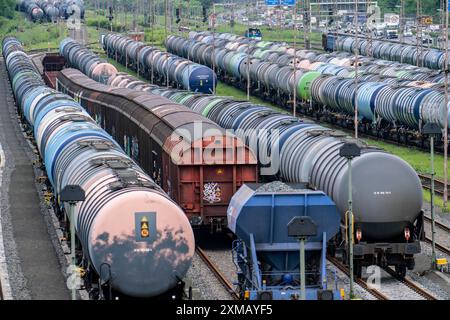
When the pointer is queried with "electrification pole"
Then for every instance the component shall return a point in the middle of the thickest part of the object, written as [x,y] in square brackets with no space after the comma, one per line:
[214,47]
[446,105]
[356,52]
[248,54]
[307,24]
[294,98]
[166,8]
[350,150]
[419,38]
[402,21]
[433,130]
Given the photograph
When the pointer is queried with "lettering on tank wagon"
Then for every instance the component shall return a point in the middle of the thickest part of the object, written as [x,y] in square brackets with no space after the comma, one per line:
[382,193]
[212,192]
[203,77]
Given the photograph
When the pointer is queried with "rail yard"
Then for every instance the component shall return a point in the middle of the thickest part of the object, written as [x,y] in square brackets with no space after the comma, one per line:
[177,151]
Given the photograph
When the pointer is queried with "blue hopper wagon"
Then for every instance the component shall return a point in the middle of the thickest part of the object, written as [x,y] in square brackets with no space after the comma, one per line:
[267,259]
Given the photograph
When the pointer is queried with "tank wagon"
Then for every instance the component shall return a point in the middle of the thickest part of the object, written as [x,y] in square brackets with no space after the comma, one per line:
[49,10]
[281,53]
[394,109]
[267,258]
[335,64]
[160,66]
[393,51]
[387,210]
[195,161]
[31,9]
[132,239]
[83,59]
[51,13]
[71,8]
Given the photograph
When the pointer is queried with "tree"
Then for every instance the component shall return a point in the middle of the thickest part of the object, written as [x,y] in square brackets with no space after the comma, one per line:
[206,3]
[7,8]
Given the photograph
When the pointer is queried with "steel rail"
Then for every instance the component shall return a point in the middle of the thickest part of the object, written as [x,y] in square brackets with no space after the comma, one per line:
[219,275]
[374,292]
[411,284]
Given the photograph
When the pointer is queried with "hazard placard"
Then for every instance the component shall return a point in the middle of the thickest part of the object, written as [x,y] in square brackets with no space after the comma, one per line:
[145,226]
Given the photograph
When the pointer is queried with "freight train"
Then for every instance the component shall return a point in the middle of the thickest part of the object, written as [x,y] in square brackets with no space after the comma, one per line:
[393,51]
[159,66]
[31,9]
[388,209]
[49,10]
[342,64]
[212,164]
[394,109]
[132,239]
[148,124]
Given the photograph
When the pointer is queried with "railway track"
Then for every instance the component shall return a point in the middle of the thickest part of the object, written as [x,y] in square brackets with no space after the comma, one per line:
[300,44]
[438,184]
[378,294]
[218,274]
[439,224]
[374,292]
[442,227]
[410,284]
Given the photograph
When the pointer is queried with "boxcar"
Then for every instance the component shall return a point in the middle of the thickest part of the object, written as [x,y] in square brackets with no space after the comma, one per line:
[199,169]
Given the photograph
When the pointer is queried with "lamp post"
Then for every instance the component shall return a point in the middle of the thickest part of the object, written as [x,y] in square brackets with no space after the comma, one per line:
[350,150]
[72,194]
[432,130]
[302,227]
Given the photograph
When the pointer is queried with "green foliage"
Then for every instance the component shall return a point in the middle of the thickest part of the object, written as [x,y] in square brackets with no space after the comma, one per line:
[206,3]
[33,35]
[7,8]
[418,159]
[429,7]
[270,34]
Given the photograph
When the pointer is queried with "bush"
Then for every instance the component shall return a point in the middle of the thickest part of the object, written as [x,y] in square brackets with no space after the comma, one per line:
[7,8]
